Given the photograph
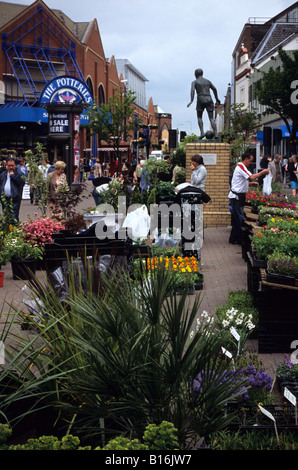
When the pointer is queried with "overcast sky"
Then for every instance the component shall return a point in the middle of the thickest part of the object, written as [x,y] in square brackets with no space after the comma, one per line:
[166,40]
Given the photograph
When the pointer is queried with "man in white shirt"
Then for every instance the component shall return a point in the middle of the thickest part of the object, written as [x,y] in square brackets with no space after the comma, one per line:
[241,180]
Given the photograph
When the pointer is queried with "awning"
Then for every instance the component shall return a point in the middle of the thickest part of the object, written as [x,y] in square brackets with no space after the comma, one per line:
[29,114]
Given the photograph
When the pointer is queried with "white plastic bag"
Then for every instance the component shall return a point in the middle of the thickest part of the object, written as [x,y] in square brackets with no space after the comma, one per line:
[138,223]
[267,190]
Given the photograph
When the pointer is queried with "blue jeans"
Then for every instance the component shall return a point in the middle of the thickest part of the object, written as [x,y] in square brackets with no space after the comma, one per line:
[237,221]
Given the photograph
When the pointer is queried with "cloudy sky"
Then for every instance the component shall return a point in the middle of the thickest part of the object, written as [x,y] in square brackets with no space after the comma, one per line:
[166,40]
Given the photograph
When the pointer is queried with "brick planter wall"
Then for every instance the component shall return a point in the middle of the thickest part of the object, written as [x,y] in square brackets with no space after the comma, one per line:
[217,161]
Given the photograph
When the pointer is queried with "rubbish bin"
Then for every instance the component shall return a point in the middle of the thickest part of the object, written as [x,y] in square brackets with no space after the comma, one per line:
[192,231]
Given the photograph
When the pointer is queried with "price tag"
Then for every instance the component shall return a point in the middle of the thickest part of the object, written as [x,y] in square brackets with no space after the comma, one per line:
[227,353]
[235,333]
[289,395]
[267,413]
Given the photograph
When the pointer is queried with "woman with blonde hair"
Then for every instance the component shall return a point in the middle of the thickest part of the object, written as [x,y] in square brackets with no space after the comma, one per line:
[54,181]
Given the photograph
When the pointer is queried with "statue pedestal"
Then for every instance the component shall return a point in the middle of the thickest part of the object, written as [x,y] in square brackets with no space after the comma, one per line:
[216,158]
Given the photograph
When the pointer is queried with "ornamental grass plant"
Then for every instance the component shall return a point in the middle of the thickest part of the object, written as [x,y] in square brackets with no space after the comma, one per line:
[109,361]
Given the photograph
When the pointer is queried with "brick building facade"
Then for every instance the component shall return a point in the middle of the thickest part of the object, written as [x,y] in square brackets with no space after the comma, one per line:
[39,44]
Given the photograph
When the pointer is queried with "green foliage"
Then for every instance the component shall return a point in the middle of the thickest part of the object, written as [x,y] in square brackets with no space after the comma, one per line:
[49,443]
[17,247]
[242,127]
[119,358]
[113,120]
[274,90]
[180,175]
[7,221]
[164,191]
[281,263]
[286,369]
[178,157]
[156,437]
[35,177]
[163,437]
[123,443]
[242,301]
[253,440]
[264,243]
[5,433]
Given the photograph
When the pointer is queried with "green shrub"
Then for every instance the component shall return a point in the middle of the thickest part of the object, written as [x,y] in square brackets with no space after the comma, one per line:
[5,433]
[49,443]
[161,437]
[156,437]
[253,440]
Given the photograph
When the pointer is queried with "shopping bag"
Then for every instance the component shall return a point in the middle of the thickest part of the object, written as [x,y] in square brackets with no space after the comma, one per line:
[267,189]
[138,223]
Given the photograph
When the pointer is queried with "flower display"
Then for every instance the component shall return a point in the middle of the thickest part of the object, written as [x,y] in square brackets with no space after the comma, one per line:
[16,247]
[280,263]
[287,369]
[257,199]
[39,231]
[234,320]
[186,268]
[267,212]
[265,242]
[254,384]
[288,224]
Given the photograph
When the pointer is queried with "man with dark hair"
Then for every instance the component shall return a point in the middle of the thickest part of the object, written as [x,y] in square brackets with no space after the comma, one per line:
[202,87]
[241,180]
[11,185]
[199,172]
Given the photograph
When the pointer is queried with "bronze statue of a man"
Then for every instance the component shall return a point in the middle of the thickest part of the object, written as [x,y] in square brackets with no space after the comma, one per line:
[204,100]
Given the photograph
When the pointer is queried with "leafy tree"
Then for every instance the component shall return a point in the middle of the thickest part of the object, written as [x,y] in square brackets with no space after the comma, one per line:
[113,121]
[274,90]
[242,126]
[35,178]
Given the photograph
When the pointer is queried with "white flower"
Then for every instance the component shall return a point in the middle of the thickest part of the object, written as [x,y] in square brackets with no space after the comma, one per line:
[225,323]
[250,325]
[204,314]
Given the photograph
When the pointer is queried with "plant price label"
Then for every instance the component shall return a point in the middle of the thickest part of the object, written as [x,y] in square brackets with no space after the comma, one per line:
[289,395]
[235,334]
[227,353]
[266,413]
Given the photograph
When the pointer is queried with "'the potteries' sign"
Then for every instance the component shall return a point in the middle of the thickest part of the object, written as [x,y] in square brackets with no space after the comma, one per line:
[66,90]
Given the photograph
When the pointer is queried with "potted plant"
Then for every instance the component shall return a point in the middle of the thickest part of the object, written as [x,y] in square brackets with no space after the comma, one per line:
[287,375]
[281,268]
[21,253]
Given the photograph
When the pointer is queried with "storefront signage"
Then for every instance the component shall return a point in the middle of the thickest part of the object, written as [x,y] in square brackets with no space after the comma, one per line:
[58,123]
[65,90]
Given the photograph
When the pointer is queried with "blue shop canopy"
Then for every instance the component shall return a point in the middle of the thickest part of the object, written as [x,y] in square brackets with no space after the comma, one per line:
[27,114]
[285,132]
